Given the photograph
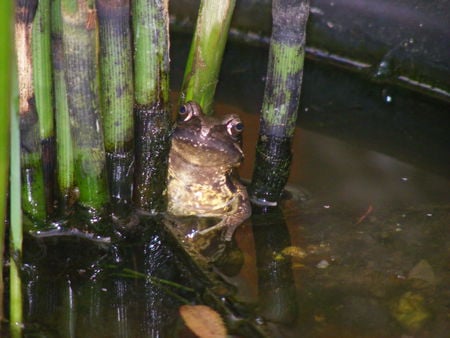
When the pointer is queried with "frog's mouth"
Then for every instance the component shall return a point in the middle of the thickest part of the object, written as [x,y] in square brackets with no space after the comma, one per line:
[208,152]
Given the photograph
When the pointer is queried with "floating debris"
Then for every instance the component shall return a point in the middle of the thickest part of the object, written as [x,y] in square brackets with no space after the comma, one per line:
[323,264]
[294,251]
[203,321]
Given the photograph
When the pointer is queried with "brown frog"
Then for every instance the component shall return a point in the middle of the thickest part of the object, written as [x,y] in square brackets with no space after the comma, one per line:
[201,179]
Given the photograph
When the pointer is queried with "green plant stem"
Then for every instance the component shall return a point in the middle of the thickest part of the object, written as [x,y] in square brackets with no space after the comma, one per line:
[65,169]
[153,125]
[42,69]
[42,78]
[80,34]
[33,193]
[16,230]
[5,94]
[151,46]
[281,100]
[205,56]
[117,95]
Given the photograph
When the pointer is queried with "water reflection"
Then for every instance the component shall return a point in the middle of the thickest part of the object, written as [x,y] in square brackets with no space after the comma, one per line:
[277,294]
[78,289]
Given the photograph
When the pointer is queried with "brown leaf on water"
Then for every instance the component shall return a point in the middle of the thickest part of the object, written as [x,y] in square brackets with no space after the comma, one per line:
[203,321]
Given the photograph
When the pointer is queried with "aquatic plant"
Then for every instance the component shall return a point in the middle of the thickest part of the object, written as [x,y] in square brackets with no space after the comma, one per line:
[80,34]
[151,93]
[64,153]
[205,56]
[33,194]
[5,93]
[281,100]
[116,77]
[43,88]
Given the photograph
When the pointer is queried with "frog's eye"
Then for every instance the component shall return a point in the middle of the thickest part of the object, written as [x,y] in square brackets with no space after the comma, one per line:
[235,127]
[185,113]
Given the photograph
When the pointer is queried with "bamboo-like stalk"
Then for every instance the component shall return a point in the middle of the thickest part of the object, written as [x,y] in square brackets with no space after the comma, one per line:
[151,93]
[80,35]
[42,77]
[205,56]
[64,163]
[16,230]
[33,194]
[117,95]
[281,100]
[5,94]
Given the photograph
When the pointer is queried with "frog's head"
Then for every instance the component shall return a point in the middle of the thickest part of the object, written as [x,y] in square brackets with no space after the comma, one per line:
[207,141]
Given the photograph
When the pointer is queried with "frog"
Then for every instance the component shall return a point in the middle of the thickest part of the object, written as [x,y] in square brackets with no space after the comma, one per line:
[202,176]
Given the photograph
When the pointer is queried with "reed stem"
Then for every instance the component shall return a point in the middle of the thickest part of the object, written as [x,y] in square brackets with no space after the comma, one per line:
[281,100]
[80,35]
[16,229]
[42,78]
[33,193]
[64,163]
[205,56]
[117,95]
[152,111]
[5,95]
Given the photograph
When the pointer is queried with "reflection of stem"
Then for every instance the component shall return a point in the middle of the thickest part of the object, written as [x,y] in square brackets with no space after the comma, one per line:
[68,320]
[160,283]
[275,280]
[154,280]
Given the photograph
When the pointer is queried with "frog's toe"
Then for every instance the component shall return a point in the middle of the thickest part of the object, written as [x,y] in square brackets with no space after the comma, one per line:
[215,227]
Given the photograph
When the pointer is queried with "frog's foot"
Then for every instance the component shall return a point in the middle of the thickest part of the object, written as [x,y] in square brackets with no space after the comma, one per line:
[226,223]
[216,227]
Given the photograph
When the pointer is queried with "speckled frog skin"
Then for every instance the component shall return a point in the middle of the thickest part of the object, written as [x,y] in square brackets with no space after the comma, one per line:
[201,181]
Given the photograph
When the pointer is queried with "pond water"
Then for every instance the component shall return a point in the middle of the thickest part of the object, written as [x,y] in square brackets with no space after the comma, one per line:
[359,247]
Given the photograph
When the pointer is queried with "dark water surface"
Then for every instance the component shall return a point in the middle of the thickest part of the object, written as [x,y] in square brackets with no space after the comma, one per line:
[359,248]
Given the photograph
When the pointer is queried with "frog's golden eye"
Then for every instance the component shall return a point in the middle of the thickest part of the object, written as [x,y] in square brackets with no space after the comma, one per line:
[235,127]
[185,113]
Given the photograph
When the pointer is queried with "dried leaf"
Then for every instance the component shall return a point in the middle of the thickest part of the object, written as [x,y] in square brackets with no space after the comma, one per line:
[203,321]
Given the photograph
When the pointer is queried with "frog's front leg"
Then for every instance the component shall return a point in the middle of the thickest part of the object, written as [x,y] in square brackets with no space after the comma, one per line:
[239,212]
